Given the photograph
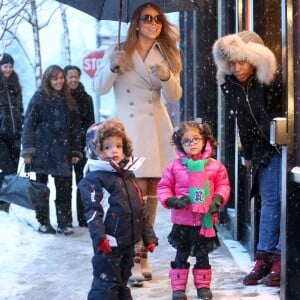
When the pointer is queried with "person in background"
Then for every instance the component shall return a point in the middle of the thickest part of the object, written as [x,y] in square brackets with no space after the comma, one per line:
[249,79]
[114,210]
[85,107]
[194,186]
[144,73]
[11,120]
[51,144]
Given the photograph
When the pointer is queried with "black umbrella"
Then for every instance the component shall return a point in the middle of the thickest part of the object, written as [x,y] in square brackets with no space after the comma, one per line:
[122,10]
[110,9]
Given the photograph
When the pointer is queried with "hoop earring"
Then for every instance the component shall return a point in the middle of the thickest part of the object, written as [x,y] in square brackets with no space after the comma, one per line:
[137,29]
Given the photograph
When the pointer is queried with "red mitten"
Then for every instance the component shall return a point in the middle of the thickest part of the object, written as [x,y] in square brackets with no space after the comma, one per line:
[104,246]
[151,247]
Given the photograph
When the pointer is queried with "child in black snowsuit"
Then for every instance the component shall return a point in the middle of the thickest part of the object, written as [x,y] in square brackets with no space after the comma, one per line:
[114,210]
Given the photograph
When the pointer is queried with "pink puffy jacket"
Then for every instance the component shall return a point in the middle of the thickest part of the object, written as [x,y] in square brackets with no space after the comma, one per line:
[175,183]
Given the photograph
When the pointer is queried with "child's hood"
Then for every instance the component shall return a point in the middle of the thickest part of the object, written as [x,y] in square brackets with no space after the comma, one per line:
[244,46]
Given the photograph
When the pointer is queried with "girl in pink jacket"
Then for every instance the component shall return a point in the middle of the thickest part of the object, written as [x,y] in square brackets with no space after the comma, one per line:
[193,186]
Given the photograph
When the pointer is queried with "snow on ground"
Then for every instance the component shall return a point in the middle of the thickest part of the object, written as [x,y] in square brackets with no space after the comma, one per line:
[56,267]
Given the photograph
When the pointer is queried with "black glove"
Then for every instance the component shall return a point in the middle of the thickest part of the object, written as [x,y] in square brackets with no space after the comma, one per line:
[215,204]
[178,203]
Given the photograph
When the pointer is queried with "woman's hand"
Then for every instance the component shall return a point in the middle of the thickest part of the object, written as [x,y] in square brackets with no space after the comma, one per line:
[28,160]
[161,72]
[117,61]
[248,165]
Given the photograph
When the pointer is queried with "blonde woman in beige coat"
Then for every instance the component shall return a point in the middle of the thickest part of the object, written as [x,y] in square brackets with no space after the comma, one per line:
[143,74]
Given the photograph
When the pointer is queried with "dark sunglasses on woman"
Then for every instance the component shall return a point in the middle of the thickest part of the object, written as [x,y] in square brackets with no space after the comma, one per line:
[147,19]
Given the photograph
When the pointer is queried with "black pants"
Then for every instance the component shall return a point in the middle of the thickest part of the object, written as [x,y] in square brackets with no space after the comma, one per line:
[117,269]
[63,202]
[9,160]
[78,168]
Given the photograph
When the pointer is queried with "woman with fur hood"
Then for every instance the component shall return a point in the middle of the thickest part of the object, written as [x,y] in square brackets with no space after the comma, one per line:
[248,76]
[193,186]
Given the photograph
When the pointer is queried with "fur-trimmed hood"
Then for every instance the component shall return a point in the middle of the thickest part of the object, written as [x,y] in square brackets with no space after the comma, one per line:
[247,46]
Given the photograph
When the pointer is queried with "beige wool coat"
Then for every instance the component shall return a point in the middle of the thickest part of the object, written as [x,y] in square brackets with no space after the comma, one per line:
[139,105]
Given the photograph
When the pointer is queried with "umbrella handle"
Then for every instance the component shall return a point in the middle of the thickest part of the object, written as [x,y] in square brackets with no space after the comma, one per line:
[120,20]
[116,69]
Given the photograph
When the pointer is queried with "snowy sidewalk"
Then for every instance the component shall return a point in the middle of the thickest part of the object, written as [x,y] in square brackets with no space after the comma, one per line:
[227,273]
[56,267]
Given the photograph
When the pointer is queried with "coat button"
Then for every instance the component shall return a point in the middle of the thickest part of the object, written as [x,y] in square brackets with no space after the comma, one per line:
[150,101]
[128,91]
[131,115]
[131,103]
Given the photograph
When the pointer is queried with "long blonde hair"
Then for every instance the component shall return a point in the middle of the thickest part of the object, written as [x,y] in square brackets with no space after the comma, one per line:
[168,39]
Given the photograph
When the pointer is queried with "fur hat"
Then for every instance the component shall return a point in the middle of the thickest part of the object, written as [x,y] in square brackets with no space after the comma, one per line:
[244,46]
[97,132]
[6,59]
[91,141]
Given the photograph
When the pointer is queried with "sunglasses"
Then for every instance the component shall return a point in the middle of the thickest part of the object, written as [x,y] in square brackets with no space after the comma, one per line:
[147,19]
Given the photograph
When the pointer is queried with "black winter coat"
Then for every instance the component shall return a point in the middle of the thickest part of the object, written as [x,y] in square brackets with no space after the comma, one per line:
[85,107]
[51,135]
[114,206]
[11,108]
[255,107]
[11,121]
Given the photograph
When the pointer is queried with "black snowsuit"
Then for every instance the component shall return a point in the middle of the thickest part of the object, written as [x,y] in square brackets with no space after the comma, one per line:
[114,207]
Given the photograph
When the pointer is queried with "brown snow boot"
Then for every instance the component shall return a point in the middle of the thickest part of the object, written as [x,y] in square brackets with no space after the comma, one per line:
[146,268]
[151,207]
[151,203]
[273,278]
[263,264]
[136,279]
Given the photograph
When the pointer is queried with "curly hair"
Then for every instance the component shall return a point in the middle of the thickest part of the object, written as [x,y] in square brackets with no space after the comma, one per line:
[204,130]
[113,127]
[168,38]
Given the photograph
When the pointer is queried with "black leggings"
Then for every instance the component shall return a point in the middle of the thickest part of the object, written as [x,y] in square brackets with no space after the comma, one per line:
[202,261]
[63,202]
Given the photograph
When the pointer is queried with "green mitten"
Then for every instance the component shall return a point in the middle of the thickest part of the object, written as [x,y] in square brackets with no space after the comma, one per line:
[207,221]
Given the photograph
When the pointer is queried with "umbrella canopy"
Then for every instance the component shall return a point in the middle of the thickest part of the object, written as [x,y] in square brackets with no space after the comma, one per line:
[110,9]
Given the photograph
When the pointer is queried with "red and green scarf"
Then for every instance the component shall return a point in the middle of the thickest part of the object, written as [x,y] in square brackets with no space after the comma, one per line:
[199,192]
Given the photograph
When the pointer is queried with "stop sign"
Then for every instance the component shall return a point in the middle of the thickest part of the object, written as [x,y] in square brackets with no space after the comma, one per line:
[92,61]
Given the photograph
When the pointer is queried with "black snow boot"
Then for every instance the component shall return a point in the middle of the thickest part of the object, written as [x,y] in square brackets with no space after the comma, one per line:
[179,295]
[204,293]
